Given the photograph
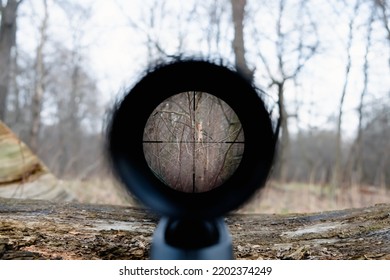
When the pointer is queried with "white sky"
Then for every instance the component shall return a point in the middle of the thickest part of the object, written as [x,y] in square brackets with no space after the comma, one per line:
[117,52]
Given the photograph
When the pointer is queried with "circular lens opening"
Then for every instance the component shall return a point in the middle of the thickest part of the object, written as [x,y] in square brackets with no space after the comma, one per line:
[193,142]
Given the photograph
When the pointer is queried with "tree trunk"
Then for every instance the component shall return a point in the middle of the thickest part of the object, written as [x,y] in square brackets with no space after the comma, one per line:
[39,83]
[33,229]
[283,148]
[337,170]
[7,42]
[358,166]
[238,13]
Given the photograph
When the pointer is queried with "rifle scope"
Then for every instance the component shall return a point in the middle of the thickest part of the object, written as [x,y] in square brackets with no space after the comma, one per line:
[192,140]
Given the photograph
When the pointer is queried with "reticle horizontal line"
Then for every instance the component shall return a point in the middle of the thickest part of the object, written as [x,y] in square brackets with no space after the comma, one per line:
[193,142]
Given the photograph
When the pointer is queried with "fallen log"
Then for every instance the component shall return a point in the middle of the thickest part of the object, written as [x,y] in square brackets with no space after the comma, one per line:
[37,229]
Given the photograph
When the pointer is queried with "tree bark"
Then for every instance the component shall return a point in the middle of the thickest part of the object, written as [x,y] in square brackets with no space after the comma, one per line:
[238,13]
[34,229]
[7,42]
[284,145]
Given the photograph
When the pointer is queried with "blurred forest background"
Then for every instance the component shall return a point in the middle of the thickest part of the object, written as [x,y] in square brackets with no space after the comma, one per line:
[323,64]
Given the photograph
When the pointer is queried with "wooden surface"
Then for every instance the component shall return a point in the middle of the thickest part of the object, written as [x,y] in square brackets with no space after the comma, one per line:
[33,229]
[17,162]
[23,174]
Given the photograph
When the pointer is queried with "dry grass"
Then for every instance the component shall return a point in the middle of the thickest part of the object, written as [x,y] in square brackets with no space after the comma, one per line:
[306,198]
[273,198]
[99,191]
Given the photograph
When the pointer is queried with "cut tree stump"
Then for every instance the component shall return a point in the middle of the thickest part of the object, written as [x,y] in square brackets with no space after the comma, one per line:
[34,229]
[23,174]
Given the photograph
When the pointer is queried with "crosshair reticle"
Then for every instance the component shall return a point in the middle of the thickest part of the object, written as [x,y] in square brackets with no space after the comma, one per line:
[193,142]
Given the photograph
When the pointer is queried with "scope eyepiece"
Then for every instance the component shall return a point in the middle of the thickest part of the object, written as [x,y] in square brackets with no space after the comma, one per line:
[192,139]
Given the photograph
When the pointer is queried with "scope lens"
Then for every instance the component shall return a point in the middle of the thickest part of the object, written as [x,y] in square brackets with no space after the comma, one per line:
[193,142]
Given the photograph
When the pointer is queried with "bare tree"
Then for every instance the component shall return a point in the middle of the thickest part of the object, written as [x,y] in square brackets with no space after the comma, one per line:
[384,9]
[376,152]
[214,33]
[8,13]
[294,47]
[39,80]
[312,156]
[76,99]
[71,145]
[356,150]
[147,26]
[337,171]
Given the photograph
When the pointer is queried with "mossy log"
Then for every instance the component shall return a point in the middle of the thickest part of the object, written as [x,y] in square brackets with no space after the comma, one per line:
[35,229]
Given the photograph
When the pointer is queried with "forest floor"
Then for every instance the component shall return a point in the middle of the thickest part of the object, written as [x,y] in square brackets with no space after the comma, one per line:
[273,198]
